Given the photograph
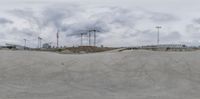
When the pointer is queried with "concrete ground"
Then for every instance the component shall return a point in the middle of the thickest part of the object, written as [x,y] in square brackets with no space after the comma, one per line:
[109,75]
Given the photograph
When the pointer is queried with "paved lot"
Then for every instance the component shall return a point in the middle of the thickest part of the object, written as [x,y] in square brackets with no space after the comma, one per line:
[111,75]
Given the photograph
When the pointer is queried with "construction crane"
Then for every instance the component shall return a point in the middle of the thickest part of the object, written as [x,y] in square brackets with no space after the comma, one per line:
[94,34]
[39,42]
[82,34]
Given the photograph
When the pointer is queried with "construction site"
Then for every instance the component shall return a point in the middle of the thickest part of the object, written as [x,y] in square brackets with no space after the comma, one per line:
[115,74]
[86,45]
[93,71]
[90,70]
[99,49]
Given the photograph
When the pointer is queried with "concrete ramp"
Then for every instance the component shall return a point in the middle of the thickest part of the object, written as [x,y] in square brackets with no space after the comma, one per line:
[122,75]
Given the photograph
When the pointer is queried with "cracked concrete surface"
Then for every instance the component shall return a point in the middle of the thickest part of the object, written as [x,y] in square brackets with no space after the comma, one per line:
[117,75]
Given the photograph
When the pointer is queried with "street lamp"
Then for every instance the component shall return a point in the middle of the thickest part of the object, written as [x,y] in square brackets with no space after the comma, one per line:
[158,35]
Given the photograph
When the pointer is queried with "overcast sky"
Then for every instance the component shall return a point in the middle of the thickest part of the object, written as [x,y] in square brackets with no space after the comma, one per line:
[120,22]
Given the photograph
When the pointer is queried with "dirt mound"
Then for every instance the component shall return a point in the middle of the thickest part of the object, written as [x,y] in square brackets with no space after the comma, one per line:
[66,51]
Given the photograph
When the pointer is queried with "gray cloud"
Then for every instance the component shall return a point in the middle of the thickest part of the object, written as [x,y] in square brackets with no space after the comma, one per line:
[25,32]
[162,17]
[193,31]
[123,17]
[84,27]
[5,21]
[71,20]
[56,15]
[197,21]
[146,35]
[172,37]
[28,15]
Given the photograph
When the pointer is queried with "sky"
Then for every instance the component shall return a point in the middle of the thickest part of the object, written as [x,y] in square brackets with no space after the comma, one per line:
[120,23]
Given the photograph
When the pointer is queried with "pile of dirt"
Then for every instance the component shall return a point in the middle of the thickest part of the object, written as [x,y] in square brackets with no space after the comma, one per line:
[66,51]
[86,49]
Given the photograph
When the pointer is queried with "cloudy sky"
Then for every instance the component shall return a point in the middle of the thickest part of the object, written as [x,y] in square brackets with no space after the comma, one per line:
[119,22]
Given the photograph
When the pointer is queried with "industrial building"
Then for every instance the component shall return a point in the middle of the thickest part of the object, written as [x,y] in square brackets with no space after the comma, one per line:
[166,46]
[15,46]
[46,45]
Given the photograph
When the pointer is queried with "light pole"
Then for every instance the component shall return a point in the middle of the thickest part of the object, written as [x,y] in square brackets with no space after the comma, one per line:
[39,42]
[95,37]
[94,34]
[158,35]
[89,34]
[25,43]
[57,36]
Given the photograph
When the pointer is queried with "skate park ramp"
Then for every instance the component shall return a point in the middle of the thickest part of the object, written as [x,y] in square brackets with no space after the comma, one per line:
[120,75]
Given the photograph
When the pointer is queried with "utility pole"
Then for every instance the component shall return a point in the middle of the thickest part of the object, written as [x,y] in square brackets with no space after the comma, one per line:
[39,42]
[95,37]
[89,37]
[25,43]
[57,38]
[158,34]
[94,34]
[82,39]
